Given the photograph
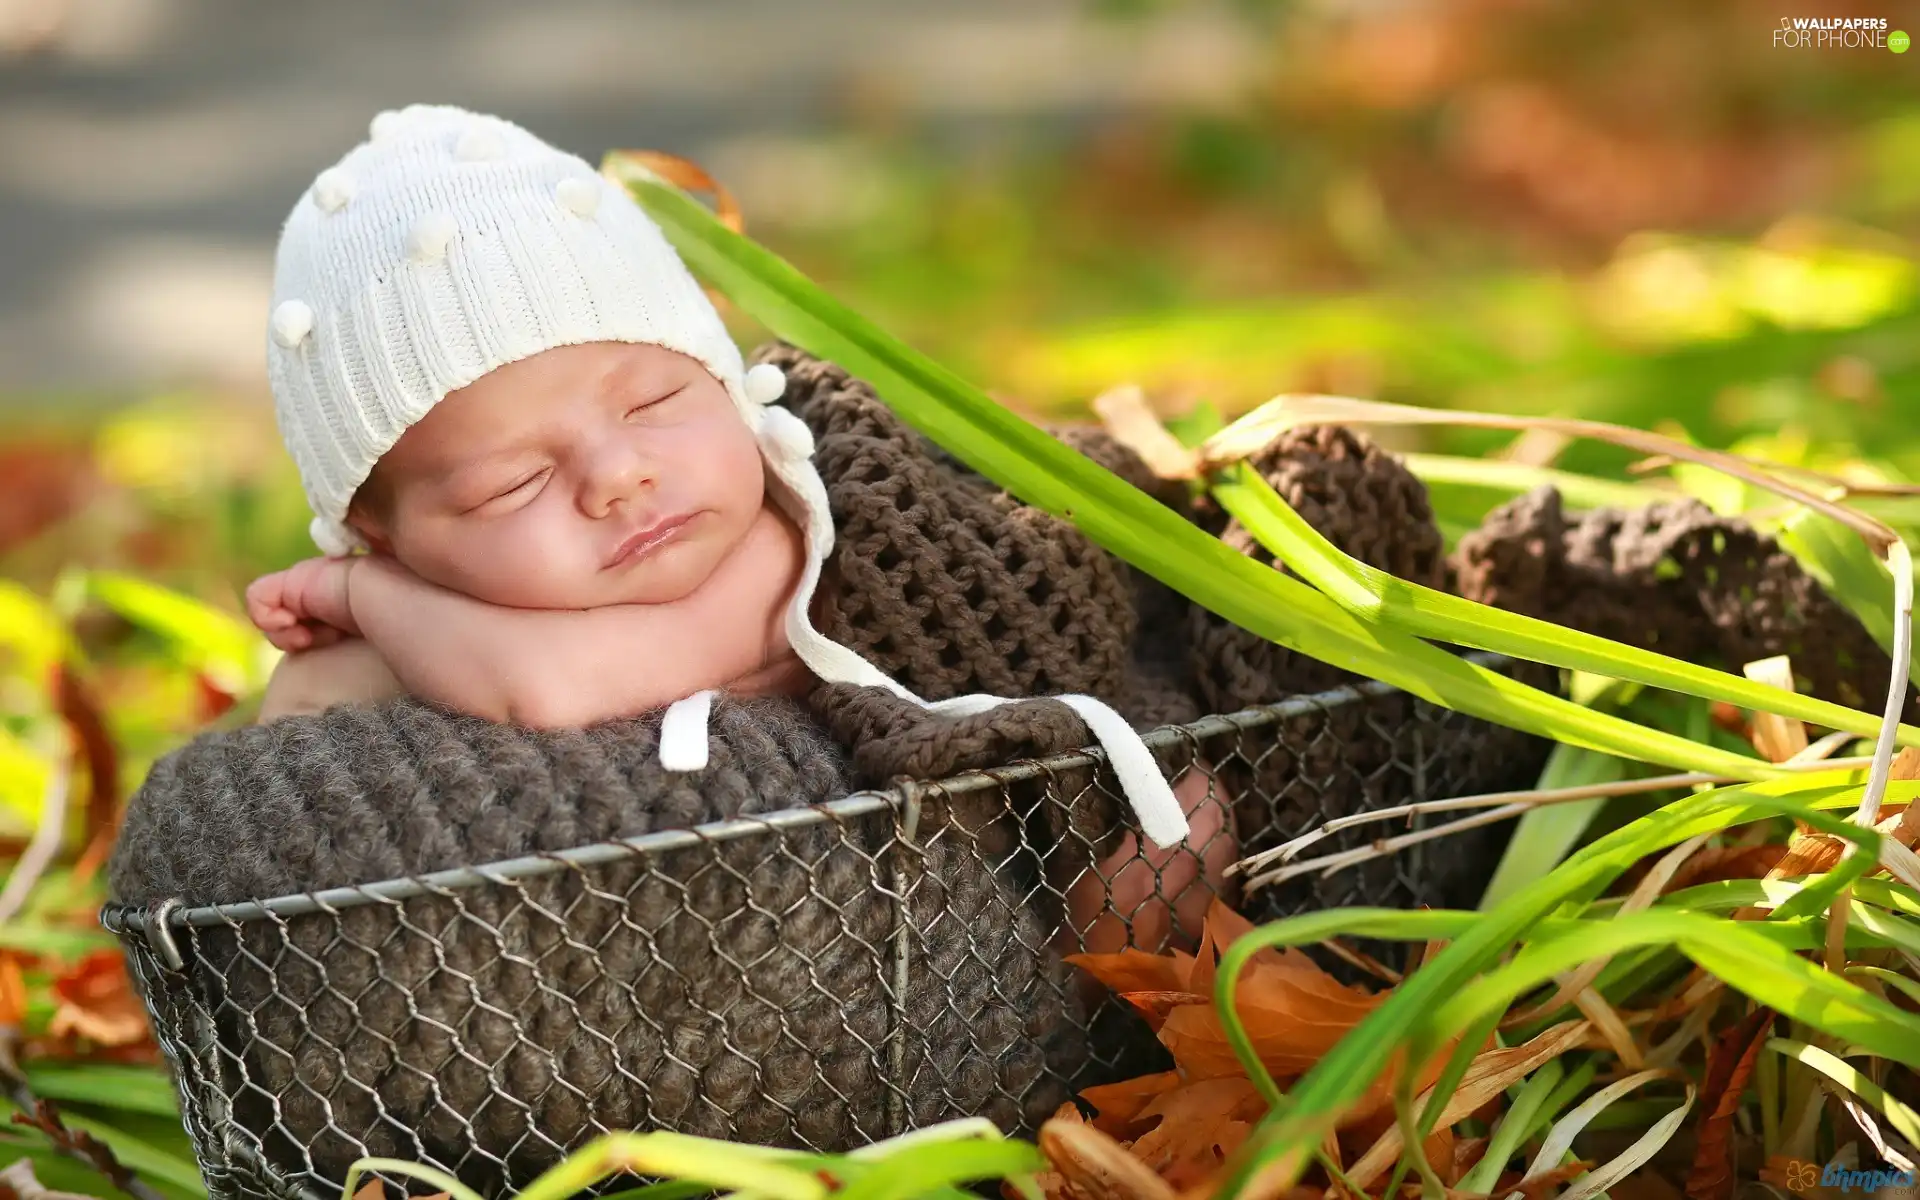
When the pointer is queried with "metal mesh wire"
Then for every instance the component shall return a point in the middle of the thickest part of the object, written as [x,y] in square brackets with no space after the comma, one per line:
[816,978]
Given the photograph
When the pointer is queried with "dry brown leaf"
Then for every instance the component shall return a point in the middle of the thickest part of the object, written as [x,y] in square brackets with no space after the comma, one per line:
[1438,1147]
[1644,1184]
[1133,423]
[1777,738]
[1136,970]
[1052,1184]
[1094,1165]
[1467,1153]
[97,1002]
[372,1189]
[1728,1068]
[1117,1106]
[1489,1074]
[1200,1124]
[1716,864]
[1906,763]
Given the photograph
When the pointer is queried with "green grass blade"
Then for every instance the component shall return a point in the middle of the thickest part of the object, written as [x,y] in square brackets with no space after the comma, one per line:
[142,1156]
[1048,475]
[919,1170]
[1904,1120]
[431,1176]
[1511,1133]
[672,1189]
[132,1089]
[1724,895]
[1753,964]
[225,648]
[1375,595]
[1563,1095]
[1542,837]
[1900,983]
[1846,570]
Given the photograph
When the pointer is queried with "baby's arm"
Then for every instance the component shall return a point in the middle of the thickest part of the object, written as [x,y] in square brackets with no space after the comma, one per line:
[349,671]
[548,668]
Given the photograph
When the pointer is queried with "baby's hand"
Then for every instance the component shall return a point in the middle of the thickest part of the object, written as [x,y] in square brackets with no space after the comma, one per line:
[304,606]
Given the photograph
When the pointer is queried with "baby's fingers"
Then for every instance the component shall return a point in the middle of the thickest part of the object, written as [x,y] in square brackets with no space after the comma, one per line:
[292,639]
[269,619]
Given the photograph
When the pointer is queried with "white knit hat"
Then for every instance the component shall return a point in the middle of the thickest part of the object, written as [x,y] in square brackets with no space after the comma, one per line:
[450,244]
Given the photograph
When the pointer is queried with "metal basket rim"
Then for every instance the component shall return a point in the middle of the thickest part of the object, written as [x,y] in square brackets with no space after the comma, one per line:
[125,919]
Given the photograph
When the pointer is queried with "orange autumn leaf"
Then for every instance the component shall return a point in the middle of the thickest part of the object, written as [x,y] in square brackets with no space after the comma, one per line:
[1287,1039]
[1136,970]
[13,991]
[1089,1165]
[1200,1124]
[1155,1006]
[1467,1153]
[1117,1106]
[96,1001]
[1714,864]
[1185,1122]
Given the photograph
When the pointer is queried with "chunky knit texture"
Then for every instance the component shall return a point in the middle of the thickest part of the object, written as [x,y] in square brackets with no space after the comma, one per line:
[1677,578]
[642,1010]
[1358,497]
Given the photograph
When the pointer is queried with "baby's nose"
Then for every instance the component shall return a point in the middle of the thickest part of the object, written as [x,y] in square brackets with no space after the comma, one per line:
[616,474]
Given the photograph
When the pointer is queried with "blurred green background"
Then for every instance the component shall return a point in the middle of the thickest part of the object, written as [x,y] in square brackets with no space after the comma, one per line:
[1639,211]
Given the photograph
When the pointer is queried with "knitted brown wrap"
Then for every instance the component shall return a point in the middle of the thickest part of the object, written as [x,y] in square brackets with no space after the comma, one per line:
[939,578]
[1358,497]
[640,1013]
[1676,578]
[952,586]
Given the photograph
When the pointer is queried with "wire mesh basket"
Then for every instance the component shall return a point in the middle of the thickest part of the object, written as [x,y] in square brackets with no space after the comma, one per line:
[817,978]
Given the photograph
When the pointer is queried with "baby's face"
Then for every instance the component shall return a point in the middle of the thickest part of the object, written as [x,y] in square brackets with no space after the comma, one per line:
[583,476]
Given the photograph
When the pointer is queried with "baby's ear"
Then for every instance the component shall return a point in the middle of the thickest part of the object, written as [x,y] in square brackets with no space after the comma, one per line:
[371,528]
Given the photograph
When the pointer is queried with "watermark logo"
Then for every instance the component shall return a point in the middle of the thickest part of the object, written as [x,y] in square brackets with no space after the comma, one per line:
[1801,1174]
[1801,1178]
[1839,33]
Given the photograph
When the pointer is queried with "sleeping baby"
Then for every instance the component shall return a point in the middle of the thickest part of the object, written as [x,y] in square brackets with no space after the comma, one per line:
[548,490]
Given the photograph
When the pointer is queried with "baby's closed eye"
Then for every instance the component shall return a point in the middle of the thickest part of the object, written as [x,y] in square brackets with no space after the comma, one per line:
[654,402]
[496,495]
